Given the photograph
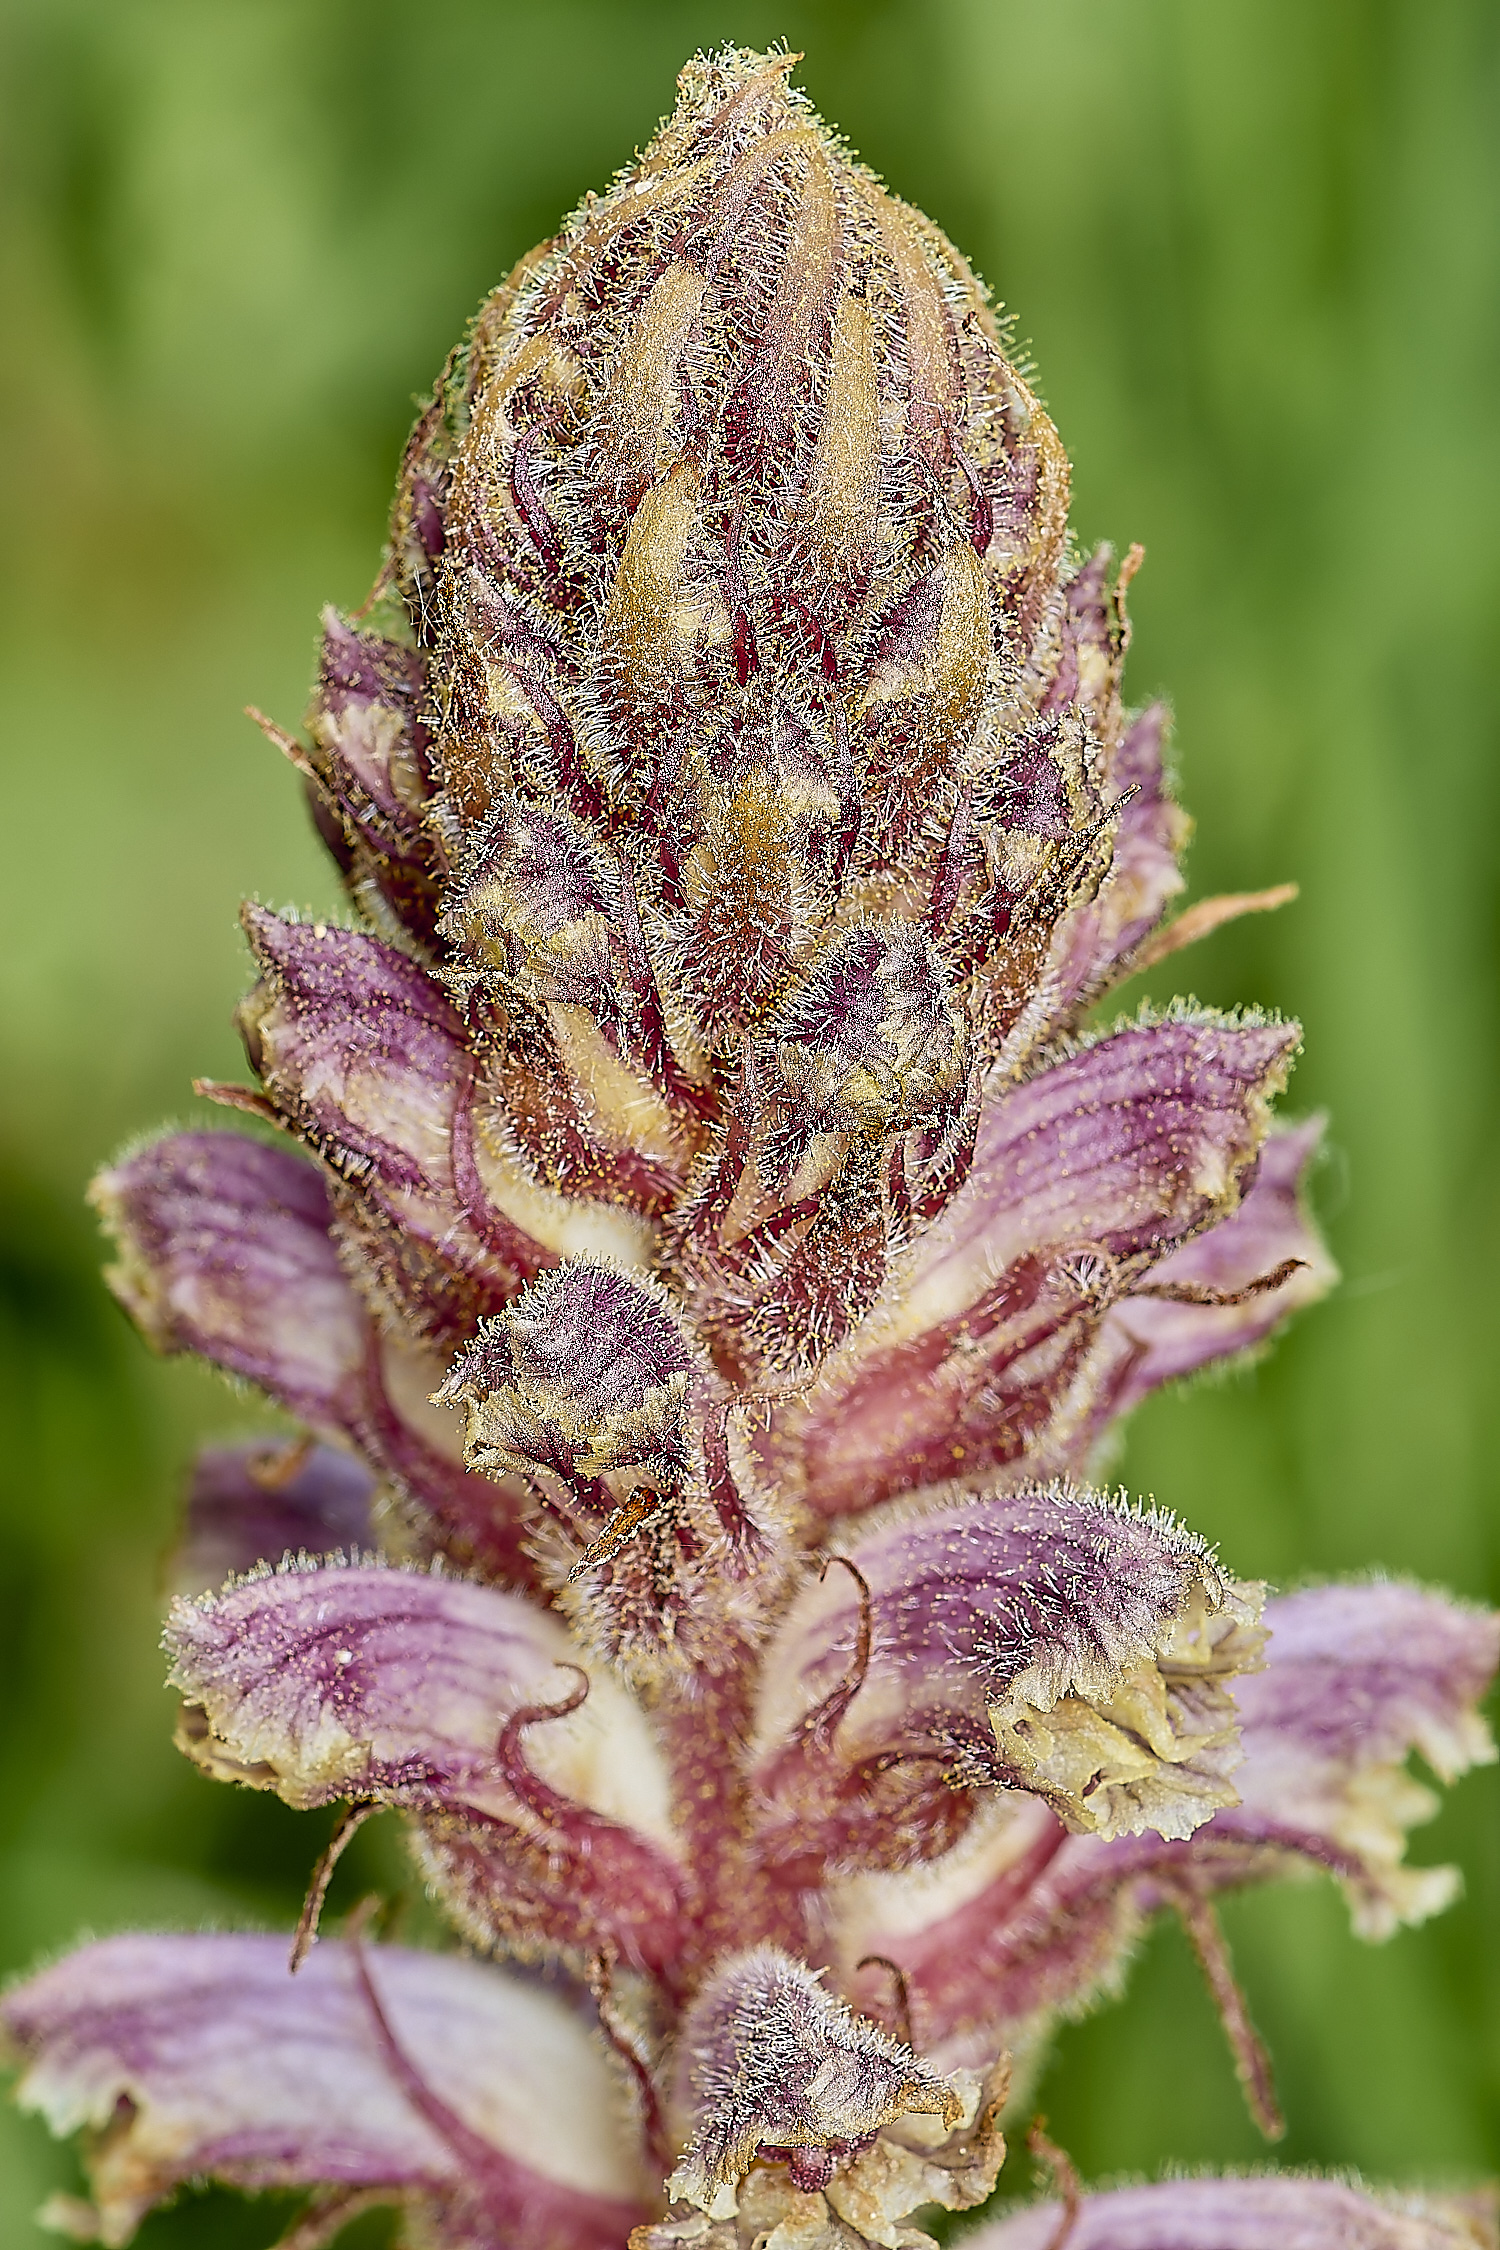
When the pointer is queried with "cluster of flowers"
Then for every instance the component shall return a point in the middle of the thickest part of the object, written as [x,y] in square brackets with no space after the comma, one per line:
[707,1257]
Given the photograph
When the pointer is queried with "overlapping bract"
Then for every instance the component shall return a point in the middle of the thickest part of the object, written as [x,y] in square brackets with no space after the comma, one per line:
[706,1255]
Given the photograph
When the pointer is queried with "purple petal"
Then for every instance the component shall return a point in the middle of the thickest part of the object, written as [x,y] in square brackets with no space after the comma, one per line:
[359,675]
[1052,1640]
[1358,1678]
[1022,1919]
[226,1248]
[1099,936]
[361,1050]
[1370,1672]
[255,1503]
[1133,1143]
[1270,1228]
[1268,2212]
[1084,1179]
[370,777]
[363,1056]
[399,1687]
[440,2078]
[1145,1341]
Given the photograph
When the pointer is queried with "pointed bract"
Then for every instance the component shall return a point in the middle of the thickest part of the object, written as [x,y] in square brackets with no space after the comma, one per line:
[370,780]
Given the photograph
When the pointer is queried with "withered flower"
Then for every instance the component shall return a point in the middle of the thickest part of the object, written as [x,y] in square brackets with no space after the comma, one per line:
[706,1258]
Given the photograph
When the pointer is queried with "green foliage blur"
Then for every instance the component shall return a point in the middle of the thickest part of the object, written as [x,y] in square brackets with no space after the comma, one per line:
[1255,249]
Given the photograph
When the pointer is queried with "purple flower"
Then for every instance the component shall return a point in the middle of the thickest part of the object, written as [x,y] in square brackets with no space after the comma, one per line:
[707,1258]
[1258,2213]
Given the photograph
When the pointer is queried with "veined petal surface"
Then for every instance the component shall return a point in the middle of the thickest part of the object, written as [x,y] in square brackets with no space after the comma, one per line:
[1021,1919]
[1255,2213]
[1145,872]
[1051,1641]
[254,1503]
[1084,1178]
[224,1249]
[1359,1677]
[456,1701]
[1220,1295]
[380,2068]
[732,768]
[362,1055]
[228,1247]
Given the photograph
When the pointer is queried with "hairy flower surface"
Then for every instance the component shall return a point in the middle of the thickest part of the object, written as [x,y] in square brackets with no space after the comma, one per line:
[706,1256]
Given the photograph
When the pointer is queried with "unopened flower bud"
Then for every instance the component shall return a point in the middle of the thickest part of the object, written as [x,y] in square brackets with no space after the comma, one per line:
[775,2064]
[589,1387]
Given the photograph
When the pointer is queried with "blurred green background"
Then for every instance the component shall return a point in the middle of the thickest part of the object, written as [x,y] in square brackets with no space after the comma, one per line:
[1256,251]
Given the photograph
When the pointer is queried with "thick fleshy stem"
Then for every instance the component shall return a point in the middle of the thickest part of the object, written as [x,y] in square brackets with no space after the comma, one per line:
[703,1726]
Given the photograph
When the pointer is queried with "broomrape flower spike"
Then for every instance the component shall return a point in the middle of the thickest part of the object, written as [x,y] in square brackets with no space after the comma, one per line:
[693,1169]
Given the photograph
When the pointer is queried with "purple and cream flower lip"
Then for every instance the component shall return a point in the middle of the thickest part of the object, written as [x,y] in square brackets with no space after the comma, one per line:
[706,1248]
